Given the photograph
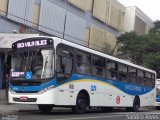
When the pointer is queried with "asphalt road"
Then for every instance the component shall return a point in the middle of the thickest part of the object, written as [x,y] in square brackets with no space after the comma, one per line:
[92,115]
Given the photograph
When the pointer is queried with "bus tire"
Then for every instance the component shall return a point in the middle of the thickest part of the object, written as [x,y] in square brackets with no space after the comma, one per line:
[45,108]
[81,104]
[157,107]
[136,105]
[106,109]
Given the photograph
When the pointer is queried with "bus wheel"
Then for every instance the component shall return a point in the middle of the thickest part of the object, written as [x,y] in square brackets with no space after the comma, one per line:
[106,109]
[45,108]
[136,105]
[81,104]
[157,107]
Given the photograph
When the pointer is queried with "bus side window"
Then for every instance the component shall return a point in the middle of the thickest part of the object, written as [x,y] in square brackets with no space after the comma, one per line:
[122,69]
[111,72]
[83,63]
[153,81]
[132,75]
[64,68]
[148,79]
[98,68]
[64,64]
[141,79]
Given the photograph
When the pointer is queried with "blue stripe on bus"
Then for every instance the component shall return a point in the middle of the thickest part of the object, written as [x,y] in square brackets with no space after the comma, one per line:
[158,99]
[32,88]
[128,88]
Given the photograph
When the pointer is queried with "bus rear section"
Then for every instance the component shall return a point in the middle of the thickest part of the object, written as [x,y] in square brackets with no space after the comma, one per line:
[158,94]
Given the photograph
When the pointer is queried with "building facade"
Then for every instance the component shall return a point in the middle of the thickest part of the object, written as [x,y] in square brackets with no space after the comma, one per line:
[136,20]
[93,23]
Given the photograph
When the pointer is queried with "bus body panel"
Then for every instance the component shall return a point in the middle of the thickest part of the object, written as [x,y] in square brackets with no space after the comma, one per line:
[102,92]
[107,94]
[158,92]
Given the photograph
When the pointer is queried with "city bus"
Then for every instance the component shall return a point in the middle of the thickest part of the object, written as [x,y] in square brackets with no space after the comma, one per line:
[53,72]
[158,94]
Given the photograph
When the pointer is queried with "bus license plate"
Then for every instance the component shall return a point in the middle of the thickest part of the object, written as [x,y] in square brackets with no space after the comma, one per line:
[23,98]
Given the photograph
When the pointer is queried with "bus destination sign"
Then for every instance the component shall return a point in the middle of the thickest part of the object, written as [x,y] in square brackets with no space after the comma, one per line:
[33,43]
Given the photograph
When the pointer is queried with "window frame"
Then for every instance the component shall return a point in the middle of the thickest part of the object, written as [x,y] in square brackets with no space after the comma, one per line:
[61,53]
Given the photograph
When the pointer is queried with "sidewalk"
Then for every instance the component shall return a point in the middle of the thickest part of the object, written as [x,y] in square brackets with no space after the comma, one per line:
[3,99]
[4,108]
[8,109]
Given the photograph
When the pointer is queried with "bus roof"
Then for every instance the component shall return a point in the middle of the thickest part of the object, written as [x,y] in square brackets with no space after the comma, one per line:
[60,40]
[105,55]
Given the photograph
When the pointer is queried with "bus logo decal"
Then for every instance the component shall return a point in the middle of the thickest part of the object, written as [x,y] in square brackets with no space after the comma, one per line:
[29,75]
[93,88]
[118,99]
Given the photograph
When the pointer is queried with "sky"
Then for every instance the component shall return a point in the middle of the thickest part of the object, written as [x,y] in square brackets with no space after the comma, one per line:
[150,7]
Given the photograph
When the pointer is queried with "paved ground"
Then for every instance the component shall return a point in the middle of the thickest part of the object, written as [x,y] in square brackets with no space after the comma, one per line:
[31,112]
[3,99]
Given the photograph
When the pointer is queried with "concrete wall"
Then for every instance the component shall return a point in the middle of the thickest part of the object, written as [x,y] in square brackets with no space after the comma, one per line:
[52,18]
[75,29]
[129,19]
[136,20]
[7,26]
[3,7]
[21,11]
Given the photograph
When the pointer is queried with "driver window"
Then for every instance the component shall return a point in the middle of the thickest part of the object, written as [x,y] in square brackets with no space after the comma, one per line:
[37,65]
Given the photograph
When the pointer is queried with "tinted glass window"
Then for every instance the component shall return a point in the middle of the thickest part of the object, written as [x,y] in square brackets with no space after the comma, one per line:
[98,61]
[111,65]
[83,64]
[132,71]
[122,68]
[111,72]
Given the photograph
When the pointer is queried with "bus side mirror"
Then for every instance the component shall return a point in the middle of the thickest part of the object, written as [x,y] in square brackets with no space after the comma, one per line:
[7,56]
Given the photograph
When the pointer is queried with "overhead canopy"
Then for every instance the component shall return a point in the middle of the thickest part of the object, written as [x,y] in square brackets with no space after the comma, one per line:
[6,40]
[4,50]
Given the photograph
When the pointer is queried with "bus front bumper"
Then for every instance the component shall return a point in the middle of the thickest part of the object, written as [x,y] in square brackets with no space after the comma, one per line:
[32,98]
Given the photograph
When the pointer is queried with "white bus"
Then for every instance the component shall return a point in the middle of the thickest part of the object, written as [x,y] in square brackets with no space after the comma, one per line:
[54,72]
[157,94]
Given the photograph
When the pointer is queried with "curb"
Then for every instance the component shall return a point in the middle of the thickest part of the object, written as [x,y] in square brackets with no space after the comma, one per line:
[3,101]
[8,110]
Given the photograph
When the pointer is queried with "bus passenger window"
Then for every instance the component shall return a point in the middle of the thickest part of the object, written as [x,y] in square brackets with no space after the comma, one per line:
[98,71]
[148,79]
[64,65]
[112,75]
[140,79]
[153,81]
[132,75]
[64,68]
[81,68]
[111,72]
[122,69]
[98,66]
[83,63]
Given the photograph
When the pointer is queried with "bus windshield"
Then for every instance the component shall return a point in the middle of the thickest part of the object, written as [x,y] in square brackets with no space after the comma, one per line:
[38,63]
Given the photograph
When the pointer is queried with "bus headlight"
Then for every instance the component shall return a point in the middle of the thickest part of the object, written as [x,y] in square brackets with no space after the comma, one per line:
[46,89]
[12,92]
